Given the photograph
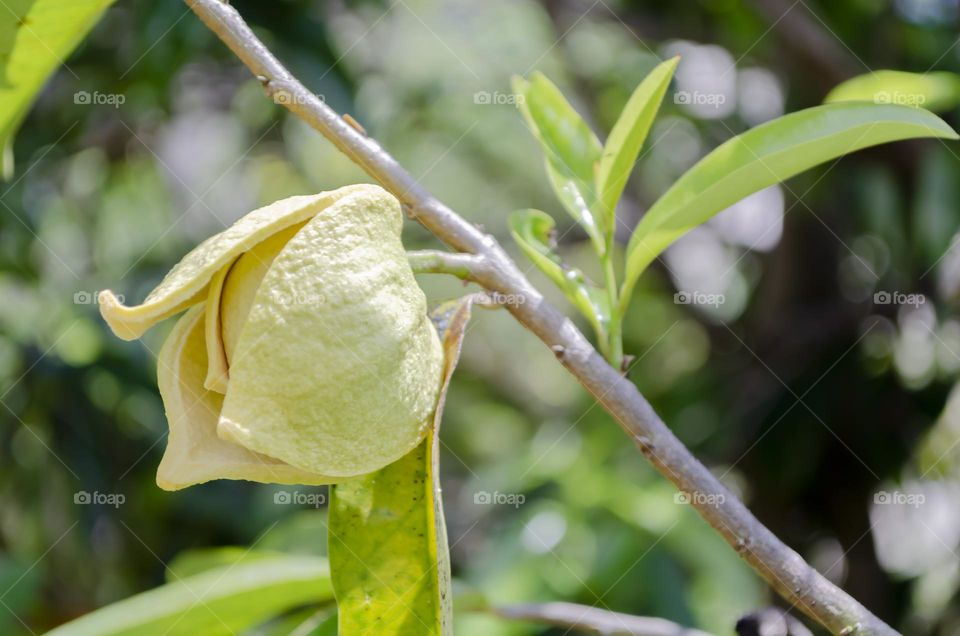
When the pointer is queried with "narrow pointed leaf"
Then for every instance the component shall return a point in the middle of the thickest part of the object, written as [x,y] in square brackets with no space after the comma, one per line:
[387,536]
[627,137]
[36,36]
[763,156]
[533,231]
[937,92]
[218,602]
[191,562]
[571,149]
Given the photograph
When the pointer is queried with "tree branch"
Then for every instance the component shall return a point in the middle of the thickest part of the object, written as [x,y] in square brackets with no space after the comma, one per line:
[779,565]
[594,620]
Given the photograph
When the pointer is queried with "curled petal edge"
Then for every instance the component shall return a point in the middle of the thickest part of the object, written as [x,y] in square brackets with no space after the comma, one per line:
[186,284]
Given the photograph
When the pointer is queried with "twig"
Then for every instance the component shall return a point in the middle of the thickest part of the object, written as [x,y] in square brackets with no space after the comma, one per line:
[464,266]
[779,565]
[594,620]
[771,620]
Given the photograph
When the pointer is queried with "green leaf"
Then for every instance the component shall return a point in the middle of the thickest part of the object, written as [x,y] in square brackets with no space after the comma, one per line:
[387,537]
[533,231]
[763,156]
[36,36]
[384,550]
[572,150]
[217,602]
[192,562]
[938,91]
[627,137]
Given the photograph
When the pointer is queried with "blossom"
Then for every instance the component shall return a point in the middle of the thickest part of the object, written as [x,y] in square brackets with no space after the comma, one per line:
[305,354]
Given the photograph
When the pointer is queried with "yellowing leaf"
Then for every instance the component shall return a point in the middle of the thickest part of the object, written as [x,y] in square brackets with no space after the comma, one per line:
[388,542]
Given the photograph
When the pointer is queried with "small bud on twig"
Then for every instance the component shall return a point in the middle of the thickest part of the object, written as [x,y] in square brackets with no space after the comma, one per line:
[347,117]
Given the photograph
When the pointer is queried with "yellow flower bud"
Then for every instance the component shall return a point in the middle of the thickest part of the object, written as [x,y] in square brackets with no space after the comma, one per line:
[306,354]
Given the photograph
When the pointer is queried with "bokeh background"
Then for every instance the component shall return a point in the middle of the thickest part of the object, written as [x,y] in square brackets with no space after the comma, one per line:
[828,409]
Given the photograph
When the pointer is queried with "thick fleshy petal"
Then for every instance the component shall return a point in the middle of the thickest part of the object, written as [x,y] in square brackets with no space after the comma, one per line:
[217,369]
[337,368]
[194,453]
[243,281]
[186,284]
[229,299]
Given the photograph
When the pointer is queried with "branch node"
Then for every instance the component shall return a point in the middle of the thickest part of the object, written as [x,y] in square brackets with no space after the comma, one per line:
[347,117]
[850,629]
[645,443]
[559,350]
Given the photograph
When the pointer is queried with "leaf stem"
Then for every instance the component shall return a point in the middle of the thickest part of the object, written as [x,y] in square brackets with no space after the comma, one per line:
[614,319]
[463,266]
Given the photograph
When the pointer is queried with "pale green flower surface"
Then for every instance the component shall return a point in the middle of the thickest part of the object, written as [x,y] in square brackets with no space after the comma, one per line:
[306,354]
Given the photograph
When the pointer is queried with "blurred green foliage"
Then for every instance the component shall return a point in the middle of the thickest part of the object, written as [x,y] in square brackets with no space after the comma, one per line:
[806,393]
